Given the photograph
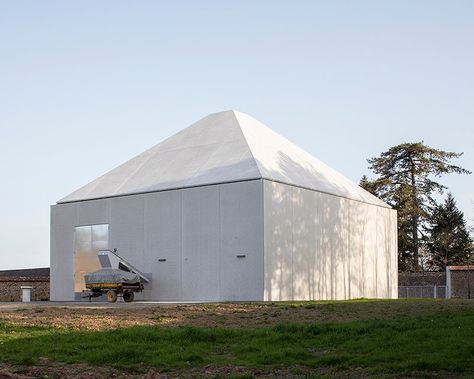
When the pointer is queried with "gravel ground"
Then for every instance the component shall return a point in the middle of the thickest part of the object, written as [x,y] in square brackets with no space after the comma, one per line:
[101,316]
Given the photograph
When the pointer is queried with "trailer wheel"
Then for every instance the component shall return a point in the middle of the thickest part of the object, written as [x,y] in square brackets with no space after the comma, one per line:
[111,296]
[128,296]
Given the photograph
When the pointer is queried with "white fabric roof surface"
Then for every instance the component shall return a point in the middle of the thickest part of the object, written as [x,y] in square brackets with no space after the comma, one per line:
[222,147]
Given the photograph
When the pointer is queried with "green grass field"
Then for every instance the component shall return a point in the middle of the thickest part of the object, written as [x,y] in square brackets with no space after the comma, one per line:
[440,344]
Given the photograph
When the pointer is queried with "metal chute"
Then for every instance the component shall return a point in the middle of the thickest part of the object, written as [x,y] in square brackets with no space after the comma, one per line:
[110,259]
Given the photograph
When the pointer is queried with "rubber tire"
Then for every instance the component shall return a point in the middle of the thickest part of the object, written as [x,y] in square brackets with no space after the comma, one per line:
[128,296]
[111,296]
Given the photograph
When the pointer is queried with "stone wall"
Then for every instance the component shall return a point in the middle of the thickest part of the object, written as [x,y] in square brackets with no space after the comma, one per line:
[422,278]
[11,291]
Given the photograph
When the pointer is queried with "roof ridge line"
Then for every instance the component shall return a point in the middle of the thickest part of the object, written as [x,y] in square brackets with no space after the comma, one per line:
[247,142]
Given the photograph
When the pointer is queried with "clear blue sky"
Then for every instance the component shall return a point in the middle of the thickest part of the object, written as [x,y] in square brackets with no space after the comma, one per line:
[85,86]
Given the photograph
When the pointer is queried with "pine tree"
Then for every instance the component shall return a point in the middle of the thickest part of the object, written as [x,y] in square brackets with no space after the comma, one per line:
[405,180]
[369,186]
[449,242]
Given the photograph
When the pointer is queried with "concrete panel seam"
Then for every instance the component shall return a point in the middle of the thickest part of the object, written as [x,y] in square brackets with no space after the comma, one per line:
[263,237]
[181,249]
[246,141]
[219,255]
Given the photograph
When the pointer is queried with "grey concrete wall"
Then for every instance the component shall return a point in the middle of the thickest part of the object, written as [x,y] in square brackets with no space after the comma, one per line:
[319,246]
[63,220]
[199,231]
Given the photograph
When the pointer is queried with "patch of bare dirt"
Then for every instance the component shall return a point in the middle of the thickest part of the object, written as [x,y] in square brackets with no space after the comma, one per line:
[83,371]
[229,315]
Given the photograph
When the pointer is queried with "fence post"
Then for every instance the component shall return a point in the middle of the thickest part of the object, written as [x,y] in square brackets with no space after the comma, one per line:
[435,290]
[448,283]
[406,290]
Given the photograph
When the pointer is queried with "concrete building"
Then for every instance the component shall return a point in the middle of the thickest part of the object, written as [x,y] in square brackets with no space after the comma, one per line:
[227,209]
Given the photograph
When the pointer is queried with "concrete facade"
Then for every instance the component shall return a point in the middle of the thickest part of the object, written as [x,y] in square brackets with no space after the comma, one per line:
[320,246]
[253,240]
[187,241]
[229,210]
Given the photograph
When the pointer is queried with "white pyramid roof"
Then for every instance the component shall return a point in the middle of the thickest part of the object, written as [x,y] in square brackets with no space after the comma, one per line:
[222,147]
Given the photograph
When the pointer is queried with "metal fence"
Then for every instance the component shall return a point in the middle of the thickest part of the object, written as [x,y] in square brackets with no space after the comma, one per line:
[434,292]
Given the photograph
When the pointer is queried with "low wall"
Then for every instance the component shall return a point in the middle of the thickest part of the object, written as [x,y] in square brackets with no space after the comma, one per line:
[422,278]
[10,290]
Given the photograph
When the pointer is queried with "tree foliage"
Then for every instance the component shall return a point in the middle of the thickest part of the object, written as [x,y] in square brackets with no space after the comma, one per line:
[448,239]
[407,179]
[369,186]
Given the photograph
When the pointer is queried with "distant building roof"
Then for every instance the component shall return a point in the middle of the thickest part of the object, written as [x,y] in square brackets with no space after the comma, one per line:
[25,275]
[461,268]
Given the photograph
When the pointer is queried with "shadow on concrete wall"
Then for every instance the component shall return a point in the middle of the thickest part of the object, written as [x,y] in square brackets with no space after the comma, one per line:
[320,246]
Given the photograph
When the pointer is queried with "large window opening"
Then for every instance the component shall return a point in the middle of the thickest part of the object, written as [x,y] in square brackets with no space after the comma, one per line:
[88,240]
